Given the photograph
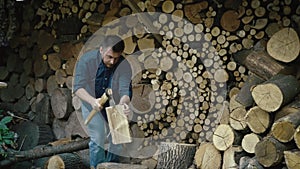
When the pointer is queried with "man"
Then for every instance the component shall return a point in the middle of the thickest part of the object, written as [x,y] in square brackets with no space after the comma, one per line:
[96,71]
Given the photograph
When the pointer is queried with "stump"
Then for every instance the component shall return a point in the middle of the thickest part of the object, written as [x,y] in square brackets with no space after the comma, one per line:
[65,161]
[120,166]
[175,155]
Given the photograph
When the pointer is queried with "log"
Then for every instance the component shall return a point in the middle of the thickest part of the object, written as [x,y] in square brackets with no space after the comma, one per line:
[261,64]
[230,21]
[249,142]
[75,126]
[269,151]
[192,11]
[257,120]
[224,137]
[44,151]
[237,119]
[40,67]
[175,155]
[65,161]
[111,165]
[276,92]
[32,134]
[204,155]
[61,103]
[231,157]
[142,99]
[41,108]
[244,95]
[292,158]
[284,45]
[247,163]
[284,128]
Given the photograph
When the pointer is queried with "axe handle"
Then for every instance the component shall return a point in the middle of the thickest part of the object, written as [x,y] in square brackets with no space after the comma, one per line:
[102,101]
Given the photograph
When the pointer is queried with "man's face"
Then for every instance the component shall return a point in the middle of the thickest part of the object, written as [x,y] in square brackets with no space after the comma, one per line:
[109,57]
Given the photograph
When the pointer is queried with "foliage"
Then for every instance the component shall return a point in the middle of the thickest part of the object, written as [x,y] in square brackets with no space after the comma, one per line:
[6,135]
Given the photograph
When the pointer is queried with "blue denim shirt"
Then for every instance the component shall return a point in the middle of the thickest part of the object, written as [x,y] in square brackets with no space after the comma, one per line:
[92,75]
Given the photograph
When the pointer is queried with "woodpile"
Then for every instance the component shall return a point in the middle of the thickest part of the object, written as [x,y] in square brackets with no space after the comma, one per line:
[223,76]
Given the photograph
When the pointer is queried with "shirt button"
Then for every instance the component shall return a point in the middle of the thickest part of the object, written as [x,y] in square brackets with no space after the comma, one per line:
[105,78]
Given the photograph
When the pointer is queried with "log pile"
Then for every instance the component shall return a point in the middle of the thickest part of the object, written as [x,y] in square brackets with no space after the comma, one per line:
[201,71]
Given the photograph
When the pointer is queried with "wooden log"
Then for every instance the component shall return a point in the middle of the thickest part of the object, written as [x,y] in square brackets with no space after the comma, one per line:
[276,92]
[261,64]
[237,119]
[230,21]
[111,165]
[297,137]
[292,158]
[58,128]
[247,163]
[249,142]
[192,11]
[51,84]
[143,98]
[61,103]
[224,137]
[231,157]
[168,6]
[287,50]
[40,67]
[257,120]
[44,151]
[284,128]
[64,161]
[204,155]
[175,155]
[244,95]
[75,125]
[32,134]
[269,151]
[41,108]
[54,61]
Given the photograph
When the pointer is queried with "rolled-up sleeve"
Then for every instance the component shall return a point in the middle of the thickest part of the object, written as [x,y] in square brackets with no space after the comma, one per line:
[80,76]
[124,75]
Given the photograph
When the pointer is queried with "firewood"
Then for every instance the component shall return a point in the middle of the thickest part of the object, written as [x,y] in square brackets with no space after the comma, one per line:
[39,84]
[40,67]
[230,21]
[191,11]
[288,124]
[244,95]
[205,153]
[269,151]
[60,76]
[249,142]
[276,92]
[287,50]
[41,107]
[44,151]
[61,103]
[230,157]
[183,154]
[112,165]
[54,61]
[75,125]
[168,6]
[143,99]
[291,158]
[64,161]
[224,137]
[51,84]
[257,120]
[247,163]
[237,119]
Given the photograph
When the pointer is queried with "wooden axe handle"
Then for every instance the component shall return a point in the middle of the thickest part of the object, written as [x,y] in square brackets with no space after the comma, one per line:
[102,101]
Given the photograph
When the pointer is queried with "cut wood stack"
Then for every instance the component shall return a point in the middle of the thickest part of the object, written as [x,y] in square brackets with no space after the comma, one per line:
[199,73]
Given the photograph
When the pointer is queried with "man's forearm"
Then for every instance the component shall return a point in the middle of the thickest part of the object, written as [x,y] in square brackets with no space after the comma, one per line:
[85,96]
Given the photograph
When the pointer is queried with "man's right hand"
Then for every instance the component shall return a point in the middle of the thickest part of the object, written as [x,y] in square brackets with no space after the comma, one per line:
[96,105]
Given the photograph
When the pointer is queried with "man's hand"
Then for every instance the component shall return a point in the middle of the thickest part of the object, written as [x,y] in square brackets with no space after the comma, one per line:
[127,110]
[96,105]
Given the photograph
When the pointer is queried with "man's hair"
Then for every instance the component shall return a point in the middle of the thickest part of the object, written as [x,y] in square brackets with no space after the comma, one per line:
[114,42]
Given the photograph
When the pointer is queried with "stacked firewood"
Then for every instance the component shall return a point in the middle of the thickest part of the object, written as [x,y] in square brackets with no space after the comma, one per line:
[200,72]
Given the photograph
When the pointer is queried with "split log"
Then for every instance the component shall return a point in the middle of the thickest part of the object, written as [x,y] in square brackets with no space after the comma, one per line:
[257,120]
[248,163]
[276,92]
[74,125]
[292,159]
[41,108]
[44,151]
[192,11]
[231,157]
[175,155]
[65,161]
[61,103]
[269,151]
[284,45]
[207,156]
[224,137]
[237,118]
[284,128]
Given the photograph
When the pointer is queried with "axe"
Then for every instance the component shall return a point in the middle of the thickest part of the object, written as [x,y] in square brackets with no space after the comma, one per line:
[106,95]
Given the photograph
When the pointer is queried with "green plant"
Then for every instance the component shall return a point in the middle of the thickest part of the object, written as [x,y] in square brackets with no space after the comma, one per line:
[6,135]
